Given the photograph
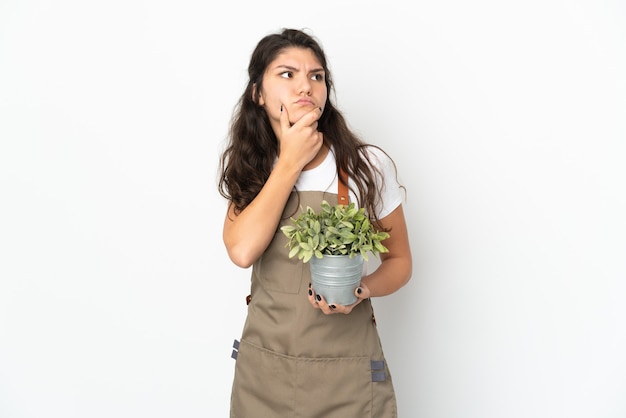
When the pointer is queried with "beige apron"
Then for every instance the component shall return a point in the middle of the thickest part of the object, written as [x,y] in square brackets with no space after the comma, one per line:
[295,361]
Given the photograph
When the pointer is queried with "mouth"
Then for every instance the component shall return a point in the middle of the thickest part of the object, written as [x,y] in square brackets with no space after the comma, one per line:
[305,102]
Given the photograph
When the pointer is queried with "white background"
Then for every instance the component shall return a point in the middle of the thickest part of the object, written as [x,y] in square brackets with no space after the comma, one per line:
[507,121]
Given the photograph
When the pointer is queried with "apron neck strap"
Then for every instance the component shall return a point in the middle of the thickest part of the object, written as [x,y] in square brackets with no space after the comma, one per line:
[342,188]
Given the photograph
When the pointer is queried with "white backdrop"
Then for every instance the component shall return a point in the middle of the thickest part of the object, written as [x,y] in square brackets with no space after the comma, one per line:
[507,121]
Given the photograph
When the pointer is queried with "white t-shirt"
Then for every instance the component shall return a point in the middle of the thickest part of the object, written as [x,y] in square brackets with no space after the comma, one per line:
[324,178]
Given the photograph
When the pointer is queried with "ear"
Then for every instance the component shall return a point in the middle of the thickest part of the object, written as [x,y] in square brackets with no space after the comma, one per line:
[254,96]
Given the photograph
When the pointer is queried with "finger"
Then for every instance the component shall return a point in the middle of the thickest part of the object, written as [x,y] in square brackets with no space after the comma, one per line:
[312,298]
[323,305]
[310,118]
[362,292]
[284,118]
[340,309]
[346,309]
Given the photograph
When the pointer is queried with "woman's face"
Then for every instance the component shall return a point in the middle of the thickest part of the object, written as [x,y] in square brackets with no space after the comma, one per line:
[295,80]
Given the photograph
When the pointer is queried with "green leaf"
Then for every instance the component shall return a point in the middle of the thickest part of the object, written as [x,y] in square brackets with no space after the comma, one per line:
[347,235]
[333,230]
[294,251]
[380,247]
[288,229]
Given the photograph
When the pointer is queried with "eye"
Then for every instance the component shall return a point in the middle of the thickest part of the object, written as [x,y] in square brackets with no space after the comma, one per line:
[318,77]
[286,74]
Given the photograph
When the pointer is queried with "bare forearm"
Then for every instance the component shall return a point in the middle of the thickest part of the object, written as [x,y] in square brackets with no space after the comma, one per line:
[391,275]
[248,234]
[396,265]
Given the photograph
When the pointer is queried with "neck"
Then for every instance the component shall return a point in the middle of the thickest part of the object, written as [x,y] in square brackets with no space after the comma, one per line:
[317,160]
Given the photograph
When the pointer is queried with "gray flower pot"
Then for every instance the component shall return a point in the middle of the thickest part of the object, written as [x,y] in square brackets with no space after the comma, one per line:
[336,277]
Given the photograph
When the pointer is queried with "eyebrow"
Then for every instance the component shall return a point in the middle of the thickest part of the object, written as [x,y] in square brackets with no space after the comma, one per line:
[290,68]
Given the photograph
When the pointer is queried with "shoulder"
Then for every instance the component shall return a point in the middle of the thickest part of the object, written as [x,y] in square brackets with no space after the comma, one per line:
[378,158]
[386,178]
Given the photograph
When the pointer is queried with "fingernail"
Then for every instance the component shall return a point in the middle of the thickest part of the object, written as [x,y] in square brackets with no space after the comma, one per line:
[309,285]
[310,292]
[359,290]
[332,306]
[319,298]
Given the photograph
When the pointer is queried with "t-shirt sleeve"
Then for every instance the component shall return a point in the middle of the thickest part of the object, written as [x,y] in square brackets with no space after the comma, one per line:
[391,191]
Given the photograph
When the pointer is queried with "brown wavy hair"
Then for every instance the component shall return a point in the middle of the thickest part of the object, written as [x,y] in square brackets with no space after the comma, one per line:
[252,147]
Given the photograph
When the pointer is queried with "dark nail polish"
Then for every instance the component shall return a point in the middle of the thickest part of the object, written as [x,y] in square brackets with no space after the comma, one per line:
[309,285]
[310,292]
[359,290]
[332,306]
[319,298]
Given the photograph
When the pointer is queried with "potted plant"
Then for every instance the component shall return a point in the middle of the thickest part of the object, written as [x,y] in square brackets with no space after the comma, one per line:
[336,240]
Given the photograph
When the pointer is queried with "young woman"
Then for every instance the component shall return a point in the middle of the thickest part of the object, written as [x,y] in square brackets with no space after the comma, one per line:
[299,356]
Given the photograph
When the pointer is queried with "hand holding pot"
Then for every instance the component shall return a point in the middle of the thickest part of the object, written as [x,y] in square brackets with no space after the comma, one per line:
[318,302]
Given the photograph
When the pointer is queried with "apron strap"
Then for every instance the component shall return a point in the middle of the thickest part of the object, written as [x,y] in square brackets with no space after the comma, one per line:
[342,188]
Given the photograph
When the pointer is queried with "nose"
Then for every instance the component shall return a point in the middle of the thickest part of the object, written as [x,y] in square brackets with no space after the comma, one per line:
[305,85]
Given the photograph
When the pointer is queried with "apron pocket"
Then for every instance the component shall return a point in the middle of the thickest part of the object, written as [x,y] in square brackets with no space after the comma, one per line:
[269,384]
[263,384]
[334,387]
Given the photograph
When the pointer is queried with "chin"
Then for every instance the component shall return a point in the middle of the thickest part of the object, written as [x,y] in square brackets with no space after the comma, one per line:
[297,115]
